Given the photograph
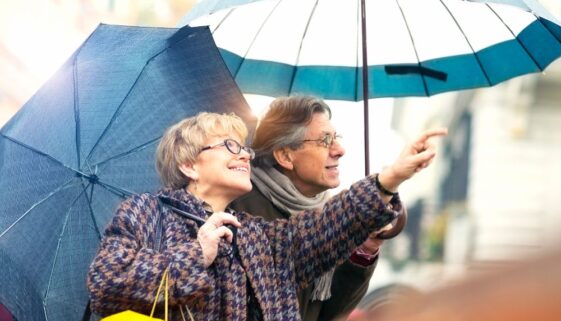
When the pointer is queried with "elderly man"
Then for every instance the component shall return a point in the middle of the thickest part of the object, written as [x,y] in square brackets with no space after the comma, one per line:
[297,158]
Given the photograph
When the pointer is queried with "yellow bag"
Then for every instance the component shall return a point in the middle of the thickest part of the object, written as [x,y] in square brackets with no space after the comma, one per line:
[130,315]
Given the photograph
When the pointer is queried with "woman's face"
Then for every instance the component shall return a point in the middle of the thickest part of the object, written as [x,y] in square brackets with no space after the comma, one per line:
[220,172]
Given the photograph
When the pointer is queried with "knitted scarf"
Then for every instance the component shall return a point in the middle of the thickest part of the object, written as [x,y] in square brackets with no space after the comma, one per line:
[283,194]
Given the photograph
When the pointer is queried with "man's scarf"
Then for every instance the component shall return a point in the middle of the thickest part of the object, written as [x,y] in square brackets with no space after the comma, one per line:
[283,194]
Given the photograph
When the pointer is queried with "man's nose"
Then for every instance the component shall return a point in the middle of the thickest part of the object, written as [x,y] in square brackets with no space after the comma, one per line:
[336,149]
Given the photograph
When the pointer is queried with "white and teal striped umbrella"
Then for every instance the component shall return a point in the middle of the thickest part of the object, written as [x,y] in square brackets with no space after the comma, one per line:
[411,47]
[415,47]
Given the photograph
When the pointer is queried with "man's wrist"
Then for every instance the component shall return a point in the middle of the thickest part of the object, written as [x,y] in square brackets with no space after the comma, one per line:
[382,188]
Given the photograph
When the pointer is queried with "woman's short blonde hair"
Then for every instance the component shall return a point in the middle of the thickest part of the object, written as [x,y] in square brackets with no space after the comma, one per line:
[182,143]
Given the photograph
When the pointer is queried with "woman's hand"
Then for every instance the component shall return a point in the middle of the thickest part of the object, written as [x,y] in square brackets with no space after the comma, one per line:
[212,231]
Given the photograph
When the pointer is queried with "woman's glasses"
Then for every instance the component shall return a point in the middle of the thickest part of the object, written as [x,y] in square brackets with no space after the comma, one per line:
[233,147]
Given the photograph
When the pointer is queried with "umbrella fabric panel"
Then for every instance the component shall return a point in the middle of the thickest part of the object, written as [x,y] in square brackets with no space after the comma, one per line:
[542,33]
[27,179]
[123,175]
[38,240]
[17,289]
[106,67]
[54,128]
[78,242]
[103,204]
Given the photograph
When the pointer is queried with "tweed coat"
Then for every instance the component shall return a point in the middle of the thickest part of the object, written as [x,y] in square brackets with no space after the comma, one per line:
[276,259]
[350,281]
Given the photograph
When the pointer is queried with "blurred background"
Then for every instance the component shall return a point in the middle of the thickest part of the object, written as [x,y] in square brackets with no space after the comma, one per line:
[493,196]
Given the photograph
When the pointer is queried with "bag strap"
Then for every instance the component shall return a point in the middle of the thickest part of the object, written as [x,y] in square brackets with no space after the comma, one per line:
[165,277]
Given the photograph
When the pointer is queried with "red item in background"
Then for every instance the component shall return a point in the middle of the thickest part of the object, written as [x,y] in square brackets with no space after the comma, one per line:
[5,315]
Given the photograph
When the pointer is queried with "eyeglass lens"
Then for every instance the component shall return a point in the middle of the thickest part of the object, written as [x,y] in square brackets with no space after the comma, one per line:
[235,148]
[328,139]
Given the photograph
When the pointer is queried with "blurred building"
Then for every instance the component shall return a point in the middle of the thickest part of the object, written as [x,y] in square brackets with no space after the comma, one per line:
[492,197]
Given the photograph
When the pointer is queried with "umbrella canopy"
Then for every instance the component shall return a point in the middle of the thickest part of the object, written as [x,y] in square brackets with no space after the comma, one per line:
[411,47]
[84,141]
[415,47]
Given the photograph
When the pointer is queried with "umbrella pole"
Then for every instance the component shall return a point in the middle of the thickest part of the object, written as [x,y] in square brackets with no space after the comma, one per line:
[365,89]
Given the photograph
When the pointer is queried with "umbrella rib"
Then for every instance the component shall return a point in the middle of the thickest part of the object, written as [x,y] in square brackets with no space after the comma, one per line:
[469,43]
[37,151]
[119,191]
[546,27]
[515,37]
[76,100]
[358,41]
[90,197]
[300,46]
[255,37]
[219,24]
[130,151]
[414,47]
[76,105]
[57,251]
[60,188]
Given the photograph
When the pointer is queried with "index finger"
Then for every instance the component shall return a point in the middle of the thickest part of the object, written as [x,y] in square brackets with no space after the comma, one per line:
[443,131]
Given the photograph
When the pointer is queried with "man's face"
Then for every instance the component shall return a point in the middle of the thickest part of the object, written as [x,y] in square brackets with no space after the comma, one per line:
[315,167]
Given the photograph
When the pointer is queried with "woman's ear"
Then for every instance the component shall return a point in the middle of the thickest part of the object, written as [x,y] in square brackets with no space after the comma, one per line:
[190,171]
[283,156]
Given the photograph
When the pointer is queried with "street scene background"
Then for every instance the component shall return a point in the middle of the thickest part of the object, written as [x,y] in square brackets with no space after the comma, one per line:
[492,198]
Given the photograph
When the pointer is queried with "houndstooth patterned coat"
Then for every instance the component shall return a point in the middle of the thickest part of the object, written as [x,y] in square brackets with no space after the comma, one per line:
[275,258]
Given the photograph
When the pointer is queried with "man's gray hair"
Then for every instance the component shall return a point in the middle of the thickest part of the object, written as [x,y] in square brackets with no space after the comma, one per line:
[285,125]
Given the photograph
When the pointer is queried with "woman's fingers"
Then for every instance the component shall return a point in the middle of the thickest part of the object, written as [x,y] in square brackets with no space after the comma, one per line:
[222,218]
[213,231]
[223,231]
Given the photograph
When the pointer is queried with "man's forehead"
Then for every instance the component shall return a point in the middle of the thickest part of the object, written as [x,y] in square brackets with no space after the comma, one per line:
[321,123]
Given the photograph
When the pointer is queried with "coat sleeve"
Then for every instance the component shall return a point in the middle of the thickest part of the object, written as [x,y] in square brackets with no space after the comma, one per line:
[126,271]
[315,241]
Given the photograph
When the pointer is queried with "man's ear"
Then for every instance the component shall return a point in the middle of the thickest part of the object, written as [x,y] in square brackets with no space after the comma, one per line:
[283,156]
[190,171]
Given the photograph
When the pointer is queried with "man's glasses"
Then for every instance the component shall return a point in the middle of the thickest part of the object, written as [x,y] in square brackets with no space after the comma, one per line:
[233,147]
[326,141]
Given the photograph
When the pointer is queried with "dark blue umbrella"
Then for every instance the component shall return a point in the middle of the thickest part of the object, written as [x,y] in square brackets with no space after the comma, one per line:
[84,141]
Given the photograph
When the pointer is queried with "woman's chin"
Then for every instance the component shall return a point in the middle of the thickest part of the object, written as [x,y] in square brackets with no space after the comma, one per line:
[242,189]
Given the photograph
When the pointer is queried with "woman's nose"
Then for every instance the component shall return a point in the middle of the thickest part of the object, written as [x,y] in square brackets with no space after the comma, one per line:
[246,155]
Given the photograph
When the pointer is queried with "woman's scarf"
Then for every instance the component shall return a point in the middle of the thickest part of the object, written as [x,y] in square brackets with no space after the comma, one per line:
[283,194]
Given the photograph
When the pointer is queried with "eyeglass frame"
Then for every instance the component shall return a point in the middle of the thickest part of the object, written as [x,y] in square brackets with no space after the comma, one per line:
[326,141]
[240,147]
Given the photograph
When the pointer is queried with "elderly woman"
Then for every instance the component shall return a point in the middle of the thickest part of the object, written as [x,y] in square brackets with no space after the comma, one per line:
[204,167]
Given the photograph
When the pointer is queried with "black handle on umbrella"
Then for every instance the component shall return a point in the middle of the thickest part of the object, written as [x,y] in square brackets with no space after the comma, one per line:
[199,221]
[167,201]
